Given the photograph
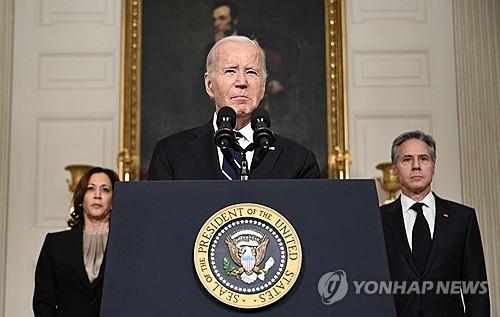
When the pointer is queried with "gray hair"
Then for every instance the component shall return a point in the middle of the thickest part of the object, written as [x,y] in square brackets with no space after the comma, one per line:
[234,39]
[418,135]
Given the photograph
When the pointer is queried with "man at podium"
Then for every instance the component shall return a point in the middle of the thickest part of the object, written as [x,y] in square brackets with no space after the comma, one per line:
[236,78]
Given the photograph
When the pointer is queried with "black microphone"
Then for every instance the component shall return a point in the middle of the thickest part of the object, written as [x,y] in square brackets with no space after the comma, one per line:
[226,121]
[263,136]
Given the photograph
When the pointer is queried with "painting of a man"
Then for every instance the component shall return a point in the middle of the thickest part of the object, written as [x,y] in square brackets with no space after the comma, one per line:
[177,35]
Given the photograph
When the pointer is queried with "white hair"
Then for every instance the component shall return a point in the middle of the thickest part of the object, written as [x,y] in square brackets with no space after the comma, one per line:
[234,39]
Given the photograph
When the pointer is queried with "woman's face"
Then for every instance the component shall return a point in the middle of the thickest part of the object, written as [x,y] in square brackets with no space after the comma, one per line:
[97,198]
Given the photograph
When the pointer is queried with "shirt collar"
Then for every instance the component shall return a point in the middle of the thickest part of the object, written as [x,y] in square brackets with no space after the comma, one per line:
[407,202]
[247,132]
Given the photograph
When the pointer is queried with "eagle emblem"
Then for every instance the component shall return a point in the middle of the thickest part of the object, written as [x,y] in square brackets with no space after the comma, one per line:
[247,249]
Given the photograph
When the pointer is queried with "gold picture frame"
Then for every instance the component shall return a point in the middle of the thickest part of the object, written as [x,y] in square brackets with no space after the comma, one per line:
[338,157]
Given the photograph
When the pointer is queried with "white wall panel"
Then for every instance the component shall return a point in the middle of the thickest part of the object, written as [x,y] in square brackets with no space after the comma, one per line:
[401,77]
[61,140]
[71,11]
[76,70]
[413,10]
[374,132]
[391,68]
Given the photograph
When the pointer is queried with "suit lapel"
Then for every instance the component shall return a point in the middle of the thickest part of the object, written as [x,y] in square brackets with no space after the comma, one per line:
[205,152]
[396,223]
[206,155]
[440,231]
[266,165]
[73,247]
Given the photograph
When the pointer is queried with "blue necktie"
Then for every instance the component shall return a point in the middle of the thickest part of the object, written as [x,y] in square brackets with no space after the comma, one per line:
[227,170]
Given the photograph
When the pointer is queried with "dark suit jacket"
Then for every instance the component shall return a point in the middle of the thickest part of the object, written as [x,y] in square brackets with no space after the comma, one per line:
[192,155]
[62,287]
[456,255]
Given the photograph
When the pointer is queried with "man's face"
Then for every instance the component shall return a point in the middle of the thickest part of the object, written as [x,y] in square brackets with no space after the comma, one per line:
[414,168]
[237,80]
[221,17]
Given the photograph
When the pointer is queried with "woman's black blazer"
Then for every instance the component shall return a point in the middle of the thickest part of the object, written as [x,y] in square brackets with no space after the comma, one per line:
[62,287]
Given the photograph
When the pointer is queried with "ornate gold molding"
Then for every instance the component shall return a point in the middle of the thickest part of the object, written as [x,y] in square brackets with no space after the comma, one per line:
[130,109]
[339,157]
[130,100]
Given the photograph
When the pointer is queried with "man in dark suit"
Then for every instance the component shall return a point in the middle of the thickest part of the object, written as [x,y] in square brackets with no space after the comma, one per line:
[431,243]
[235,77]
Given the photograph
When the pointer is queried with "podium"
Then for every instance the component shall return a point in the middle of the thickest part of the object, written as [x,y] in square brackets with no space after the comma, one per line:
[150,268]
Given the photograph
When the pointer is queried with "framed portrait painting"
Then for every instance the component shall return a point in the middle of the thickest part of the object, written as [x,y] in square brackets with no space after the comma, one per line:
[165,44]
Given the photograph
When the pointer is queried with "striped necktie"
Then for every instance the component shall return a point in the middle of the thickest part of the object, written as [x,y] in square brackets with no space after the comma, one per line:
[227,169]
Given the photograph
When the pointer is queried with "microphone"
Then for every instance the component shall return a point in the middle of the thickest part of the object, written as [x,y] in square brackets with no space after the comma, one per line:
[263,137]
[226,121]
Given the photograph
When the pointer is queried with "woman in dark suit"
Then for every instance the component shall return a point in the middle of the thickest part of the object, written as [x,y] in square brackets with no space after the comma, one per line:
[69,272]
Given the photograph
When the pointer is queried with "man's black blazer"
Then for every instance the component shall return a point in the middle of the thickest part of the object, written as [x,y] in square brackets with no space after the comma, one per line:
[192,155]
[456,255]
[62,287]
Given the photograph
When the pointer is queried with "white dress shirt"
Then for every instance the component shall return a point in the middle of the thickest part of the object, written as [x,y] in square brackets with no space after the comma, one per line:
[410,215]
[247,138]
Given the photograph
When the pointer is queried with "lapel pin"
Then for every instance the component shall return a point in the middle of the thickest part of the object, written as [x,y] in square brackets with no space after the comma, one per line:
[446,216]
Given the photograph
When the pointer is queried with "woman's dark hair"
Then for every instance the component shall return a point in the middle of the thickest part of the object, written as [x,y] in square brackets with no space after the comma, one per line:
[77,213]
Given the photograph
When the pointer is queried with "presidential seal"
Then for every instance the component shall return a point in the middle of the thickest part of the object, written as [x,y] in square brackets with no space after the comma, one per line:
[247,255]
